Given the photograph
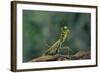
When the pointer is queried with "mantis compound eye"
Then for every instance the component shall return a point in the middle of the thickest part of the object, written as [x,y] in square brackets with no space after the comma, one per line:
[65,27]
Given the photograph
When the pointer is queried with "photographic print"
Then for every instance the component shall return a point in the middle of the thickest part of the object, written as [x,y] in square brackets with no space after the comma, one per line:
[53,36]
[50,35]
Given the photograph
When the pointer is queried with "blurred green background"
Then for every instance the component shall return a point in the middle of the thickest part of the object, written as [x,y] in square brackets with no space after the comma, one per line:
[42,28]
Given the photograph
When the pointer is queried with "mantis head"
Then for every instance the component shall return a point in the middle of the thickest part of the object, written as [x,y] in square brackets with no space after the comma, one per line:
[65,30]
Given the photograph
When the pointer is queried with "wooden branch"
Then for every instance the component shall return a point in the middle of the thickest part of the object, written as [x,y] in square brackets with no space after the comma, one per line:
[82,55]
[77,56]
[44,58]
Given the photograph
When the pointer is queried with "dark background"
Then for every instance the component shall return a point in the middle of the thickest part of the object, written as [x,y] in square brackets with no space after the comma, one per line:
[42,28]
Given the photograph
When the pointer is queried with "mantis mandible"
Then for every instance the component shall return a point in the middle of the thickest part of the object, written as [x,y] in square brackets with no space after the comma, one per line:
[54,49]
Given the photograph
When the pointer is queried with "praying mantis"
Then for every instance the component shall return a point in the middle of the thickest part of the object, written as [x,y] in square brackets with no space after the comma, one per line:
[54,49]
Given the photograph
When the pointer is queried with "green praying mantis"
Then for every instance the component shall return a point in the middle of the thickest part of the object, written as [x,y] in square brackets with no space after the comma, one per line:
[54,49]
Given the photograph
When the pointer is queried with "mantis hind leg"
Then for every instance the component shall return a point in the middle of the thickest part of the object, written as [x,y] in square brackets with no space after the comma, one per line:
[58,50]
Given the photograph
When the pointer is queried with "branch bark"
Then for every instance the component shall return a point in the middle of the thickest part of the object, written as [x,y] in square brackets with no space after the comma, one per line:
[77,56]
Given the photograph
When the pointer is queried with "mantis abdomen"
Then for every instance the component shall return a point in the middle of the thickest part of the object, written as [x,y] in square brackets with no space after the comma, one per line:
[53,49]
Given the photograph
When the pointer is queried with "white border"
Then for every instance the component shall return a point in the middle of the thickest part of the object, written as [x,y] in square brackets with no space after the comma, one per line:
[21,65]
